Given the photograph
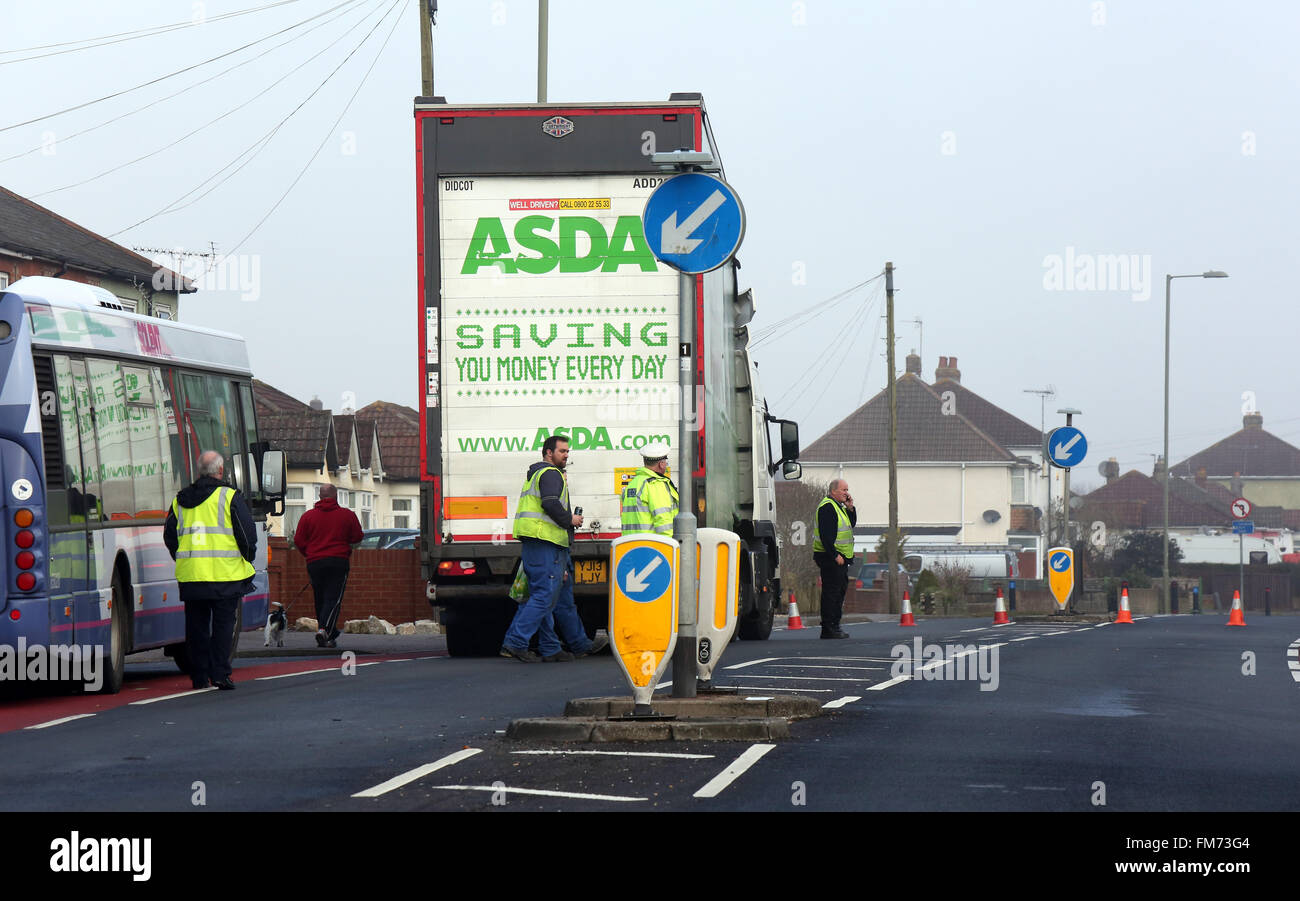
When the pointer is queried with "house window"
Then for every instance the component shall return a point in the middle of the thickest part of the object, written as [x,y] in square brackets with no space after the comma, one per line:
[128,305]
[401,513]
[295,505]
[1019,486]
[4,280]
[401,522]
[162,312]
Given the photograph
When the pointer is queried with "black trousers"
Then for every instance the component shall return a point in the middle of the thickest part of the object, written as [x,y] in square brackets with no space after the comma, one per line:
[329,579]
[835,581]
[209,633]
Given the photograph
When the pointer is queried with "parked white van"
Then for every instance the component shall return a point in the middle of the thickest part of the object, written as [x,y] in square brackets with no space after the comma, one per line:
[982,564]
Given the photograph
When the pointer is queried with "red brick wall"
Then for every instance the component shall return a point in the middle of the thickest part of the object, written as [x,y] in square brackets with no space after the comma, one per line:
[385,584]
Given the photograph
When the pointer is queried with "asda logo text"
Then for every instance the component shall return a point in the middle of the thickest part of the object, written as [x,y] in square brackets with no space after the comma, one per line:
[542,243]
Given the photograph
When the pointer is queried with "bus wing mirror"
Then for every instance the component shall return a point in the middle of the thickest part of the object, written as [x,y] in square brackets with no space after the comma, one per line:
[273,474]
[792,472]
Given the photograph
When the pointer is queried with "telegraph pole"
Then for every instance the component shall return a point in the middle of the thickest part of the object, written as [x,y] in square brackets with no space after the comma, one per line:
[428,15]
[891,541]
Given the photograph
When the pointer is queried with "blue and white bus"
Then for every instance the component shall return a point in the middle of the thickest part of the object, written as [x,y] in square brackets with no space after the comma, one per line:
[103,414]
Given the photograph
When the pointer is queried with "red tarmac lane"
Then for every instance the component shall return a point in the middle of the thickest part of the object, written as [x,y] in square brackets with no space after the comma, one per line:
[143,682]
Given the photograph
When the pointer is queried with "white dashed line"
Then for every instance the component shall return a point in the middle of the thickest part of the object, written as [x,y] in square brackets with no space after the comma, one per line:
[824,691]
[752,663]
[894,681]
[624,754]
[719,783]
[1026,638]
[803,678]
[840,702]
[306,672]
[535,791]
[58,722]
[418,773]
[183,694]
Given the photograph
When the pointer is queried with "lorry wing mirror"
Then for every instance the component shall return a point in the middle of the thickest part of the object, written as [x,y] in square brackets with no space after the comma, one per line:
[789,440]
[792,472]
[273,474]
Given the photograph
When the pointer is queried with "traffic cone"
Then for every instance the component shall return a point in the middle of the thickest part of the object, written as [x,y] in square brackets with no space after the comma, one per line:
[795,621]
[906,619]
[1125,615]
[1238,616]
[1000,617]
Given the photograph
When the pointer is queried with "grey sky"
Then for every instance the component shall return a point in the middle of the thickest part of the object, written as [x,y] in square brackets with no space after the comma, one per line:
[966,142]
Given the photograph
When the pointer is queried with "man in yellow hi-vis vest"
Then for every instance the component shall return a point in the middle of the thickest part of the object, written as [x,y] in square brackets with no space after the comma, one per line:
[210,535]
[544,525]
[833,552]
[650,498]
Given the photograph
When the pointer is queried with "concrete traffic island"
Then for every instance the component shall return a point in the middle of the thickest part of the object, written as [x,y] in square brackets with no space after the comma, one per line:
[1062,619]
[705,718]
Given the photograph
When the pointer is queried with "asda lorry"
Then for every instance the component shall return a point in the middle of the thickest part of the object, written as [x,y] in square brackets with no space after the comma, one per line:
[543,312]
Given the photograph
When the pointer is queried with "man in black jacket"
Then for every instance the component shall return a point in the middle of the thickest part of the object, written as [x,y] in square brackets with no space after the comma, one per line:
[833,552]
[210,534]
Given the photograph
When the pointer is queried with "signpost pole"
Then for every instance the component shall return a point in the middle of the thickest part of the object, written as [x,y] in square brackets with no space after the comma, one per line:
[684,521]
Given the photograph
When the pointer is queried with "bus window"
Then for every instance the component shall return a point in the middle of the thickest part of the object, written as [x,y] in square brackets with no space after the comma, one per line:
[85,504]
[114,438]
[211,413]
[60,437]
[150,454]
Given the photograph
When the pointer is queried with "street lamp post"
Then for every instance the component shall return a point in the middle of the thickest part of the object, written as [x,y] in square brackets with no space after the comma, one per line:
[1164,597]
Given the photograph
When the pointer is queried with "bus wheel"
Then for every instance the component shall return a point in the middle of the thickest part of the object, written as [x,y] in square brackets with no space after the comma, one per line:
[119,637]
[180,655]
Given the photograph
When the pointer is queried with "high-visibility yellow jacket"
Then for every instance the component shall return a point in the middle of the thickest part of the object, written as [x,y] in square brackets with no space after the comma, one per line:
[649,503]
[206,547]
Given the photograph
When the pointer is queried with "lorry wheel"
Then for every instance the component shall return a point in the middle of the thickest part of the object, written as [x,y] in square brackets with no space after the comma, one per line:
[757,626]
[460,639]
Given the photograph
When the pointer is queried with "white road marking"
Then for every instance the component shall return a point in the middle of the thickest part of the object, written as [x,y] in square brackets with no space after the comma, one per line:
[1062,632]
[783,688]
[1026,638]
[752,663]
[536,791]
[183,694]
[418,773]
[759,698]
[718,783]
[58,722]
[624,754]
[805,678]
[840,702]
[894,681]
[663,685]
[980,629]
[816,666]
[306,672]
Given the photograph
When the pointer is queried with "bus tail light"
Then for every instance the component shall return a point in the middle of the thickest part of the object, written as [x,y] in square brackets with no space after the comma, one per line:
[23,518]
[15,615]
[26,582]
[25,560]
[24,539]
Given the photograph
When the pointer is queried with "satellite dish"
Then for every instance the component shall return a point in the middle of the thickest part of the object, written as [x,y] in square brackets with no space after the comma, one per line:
[992,516]
[1076,503]
[1101,467]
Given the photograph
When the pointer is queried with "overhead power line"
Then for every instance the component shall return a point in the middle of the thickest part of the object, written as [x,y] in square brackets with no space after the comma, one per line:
[791,323]
[205,125]
[124,36]
[63,139]
[253,149]
[178,71]
[344,112]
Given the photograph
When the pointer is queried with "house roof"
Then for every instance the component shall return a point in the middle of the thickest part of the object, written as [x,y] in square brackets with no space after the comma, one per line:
[1136,501]
[31,229]
[399,429]
[929,430]
[306,436]
[272,400]
[1251,451]
[989,418]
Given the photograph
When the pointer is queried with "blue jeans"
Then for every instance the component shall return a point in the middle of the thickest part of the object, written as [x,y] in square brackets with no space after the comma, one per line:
[550,606]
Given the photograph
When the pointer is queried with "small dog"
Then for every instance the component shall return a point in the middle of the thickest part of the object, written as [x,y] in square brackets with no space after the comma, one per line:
[276,623]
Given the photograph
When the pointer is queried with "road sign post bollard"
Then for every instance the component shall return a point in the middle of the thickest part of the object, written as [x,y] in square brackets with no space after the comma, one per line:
[1196,599]
[643,610]
[718,593]
[1060,575]
[1268,600]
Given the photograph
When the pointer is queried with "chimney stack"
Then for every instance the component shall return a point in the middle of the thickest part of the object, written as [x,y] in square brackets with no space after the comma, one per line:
[1110,469]
[1158,470]
[1253,421]
[1202,480]
[913,364]
[947,369]
[315,403]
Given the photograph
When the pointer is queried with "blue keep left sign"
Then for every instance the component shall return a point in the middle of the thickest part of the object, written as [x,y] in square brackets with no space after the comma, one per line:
[644,574]
[694,222]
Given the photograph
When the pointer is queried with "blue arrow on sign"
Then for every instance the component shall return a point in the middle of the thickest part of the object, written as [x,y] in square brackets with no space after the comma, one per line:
[644,574]
[1066,447]
[1060,562]
[694,222]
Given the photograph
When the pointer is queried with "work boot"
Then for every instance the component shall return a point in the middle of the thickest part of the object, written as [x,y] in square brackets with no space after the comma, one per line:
[598,644]
[524,656]
[834,633]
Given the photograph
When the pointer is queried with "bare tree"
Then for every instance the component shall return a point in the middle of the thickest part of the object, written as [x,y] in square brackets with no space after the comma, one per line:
[796,524]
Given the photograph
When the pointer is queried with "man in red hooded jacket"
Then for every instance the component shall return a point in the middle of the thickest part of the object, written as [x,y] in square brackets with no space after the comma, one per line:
[325,535]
